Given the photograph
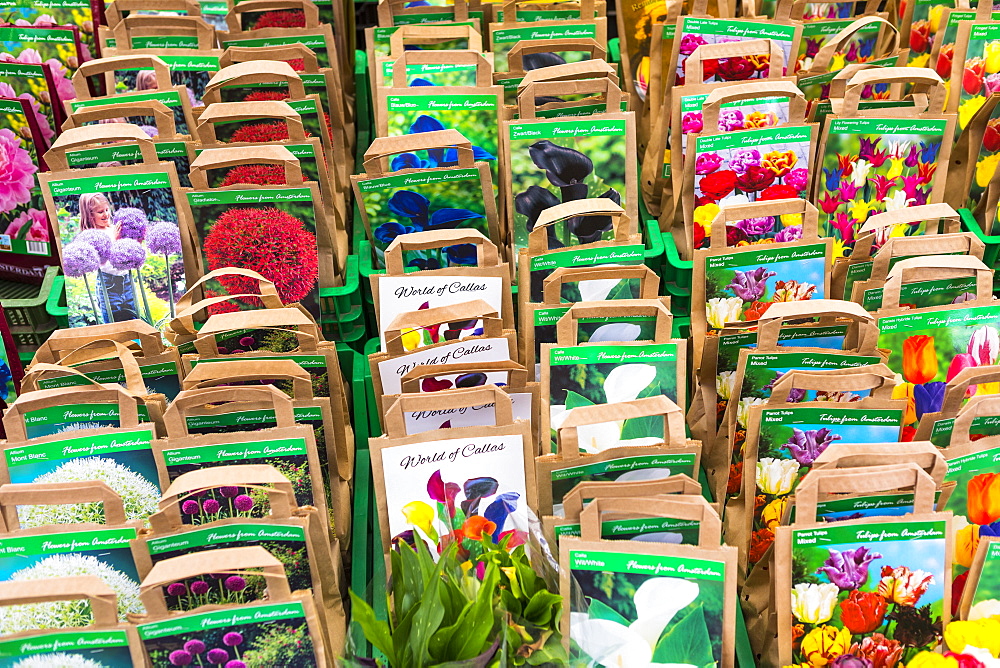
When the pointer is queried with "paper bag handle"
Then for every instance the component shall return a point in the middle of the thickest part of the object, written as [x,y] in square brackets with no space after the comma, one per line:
[528,47]
[428,34]
[915,214]
[484,72]
[486,251]
[694,65]
[954,392]
[598,206]
[777,207]
[254,72]
[163,118]
[244,54]
[176,25]
[106,68]
[224,372]
[934,267]
[102,598]
[777,315]
[987,405]
[91,135]
[114,10]
[526,97]
[675,484]
[709,524]
[187,308]
[475,309]
[649,282]
[713,103]
[222,400]
[925,81]
[262,154]
[97,349]
[465,397]
[567,436]
[60,494]
[567,328]
[222,112]
[873,480]
[509,7]
[517,375]
[128,332]
[834,43]
[876,377]
[128,403]
[376,157]
[308,9]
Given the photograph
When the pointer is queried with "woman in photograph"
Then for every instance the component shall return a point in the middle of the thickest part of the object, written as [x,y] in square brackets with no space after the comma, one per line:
[95,213]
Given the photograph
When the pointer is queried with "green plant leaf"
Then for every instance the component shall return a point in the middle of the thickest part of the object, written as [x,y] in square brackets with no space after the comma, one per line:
[375,630]
[574,400]
[539,608]
[621,291]
[642,427]
[598,610]
[426,620]
[687,641]
[652,390]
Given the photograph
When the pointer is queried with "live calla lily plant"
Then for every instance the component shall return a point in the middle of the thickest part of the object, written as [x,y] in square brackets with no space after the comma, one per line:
[452,613]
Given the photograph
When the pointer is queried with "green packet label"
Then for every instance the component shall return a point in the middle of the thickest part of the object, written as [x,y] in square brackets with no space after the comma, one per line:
[418,179]
[679,463]
[435,17]
[957,16]
[92,156]
[738,28]
[73,641]
[883,126]
[987,459]
[429,68]
[868,533]
[31,34]
[165,42]
[80,446]
[314,42]
[66,541]
[744,339]
[745,138]
[261,417]
[568,128]
[917,293]
[570,30]
[182,63]
[962,317]
[169,98]
[838,416]
[863,504]
[22,70]
[941,431]
[993,553]
[827,77]
[828,27]
[767,256]
[696,102]
[249,196]
[228,533]
[647,564]
[304,361]
[626,529]
[230,617]
[112,182]
[441,102]
[383,34]
[987,32]
[77,413]
[12,107]
[282,447]
[818,360]
[621,354]
[298,150]
[634,254]
[550,316]
[108,376]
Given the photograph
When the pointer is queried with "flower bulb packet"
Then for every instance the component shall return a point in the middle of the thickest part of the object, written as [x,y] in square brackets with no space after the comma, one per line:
[47,14]
[859,47]
[979,596]
[456,36]
[444,74]
[45,413]
[967,411]
[90,646]
[639,524]
[975,65]
[636,23]
[675,593]
[919,294]
[26,244]
[943,54]
[189,68]
[319,40]
[503,36]
[529,56]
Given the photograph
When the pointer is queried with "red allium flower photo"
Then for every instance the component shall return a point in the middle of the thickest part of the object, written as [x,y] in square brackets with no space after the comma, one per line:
[258,175]
[283,18]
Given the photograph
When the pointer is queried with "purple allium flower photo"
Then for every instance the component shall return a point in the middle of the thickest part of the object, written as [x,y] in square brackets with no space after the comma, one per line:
[176,589]
[807,445]
[200,587]
[181,657]
[235,583]
[164,239]
[211,506]
[133,223]
[194,646]
[848,569]
[79,259]
[98,239]
[229,491]
[127,254]
[190,507]
[232,639]
[217,656]
[243,503]
[236,664]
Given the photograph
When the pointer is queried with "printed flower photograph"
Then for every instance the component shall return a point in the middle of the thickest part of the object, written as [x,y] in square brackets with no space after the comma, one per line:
[253,645]
[979,75]
[924,27]
[881,601]
[121,255]
[815,11]
[763,112]
[22,210]
[604,330]
[478,125]
[464,513]
[860,48]
[867,172]
[194,82]
[729,174]
[170,98]
[740,68]
[416,338]
[549,172]
[788,446]
[926,362]
[59,58]
[744,292]
[985,602]
[452,204]
[986,161]
[78,15]
[641,371]
[643,621]
[276,238]
[381,45]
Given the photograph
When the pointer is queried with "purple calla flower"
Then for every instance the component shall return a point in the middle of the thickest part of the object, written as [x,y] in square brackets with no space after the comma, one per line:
[435,487]
[807,445]
[848,569]
[475,490]
[751,285]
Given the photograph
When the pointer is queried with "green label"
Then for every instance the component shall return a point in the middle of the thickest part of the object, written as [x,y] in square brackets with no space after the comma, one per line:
[66,541]
[314,42]
[91,156]
[591,354]
[382,35]
[882,126]
[745,138]
[647,564]
[229,533]
[418,179]
[919,291]
[738,28]
[993,553]
[282,447]
[265,416]
[165,42]
[838,416]
[568,128]
[169,98]
[62,642]
[112,182]
[987,32]
[183,63]
[864,504]
[571,30]
[766,256]
[827,77]
[298,150]
[82,446]
[108,376]
[696,102]
[617,528]
[941,431]
[22,70]
[27,34]
[304,361]
[828,27]
[253,614]
[869,533]
[987,459]
[575,258]
[936,319]
[249,196]
[627,464]
[77,413]
[435,17]
[822,360]
[429,68]
[440,102]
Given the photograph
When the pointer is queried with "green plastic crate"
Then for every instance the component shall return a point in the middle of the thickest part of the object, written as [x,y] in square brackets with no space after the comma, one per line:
[992,241]
[25,304]
[341,309]
[679,270]
[362,89]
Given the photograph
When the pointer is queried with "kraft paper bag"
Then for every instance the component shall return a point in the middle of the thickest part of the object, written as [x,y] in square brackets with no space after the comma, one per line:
[529,61]
[509,30]
[968,385]
[977,595]
[644,518]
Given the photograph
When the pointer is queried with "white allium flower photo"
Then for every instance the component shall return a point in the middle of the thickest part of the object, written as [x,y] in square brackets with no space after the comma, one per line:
[58,660]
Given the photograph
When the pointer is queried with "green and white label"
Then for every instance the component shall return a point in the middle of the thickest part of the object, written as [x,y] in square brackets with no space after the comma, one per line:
[647,564]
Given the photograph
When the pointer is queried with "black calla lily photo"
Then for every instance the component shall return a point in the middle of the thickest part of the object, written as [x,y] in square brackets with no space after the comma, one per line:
[535,61]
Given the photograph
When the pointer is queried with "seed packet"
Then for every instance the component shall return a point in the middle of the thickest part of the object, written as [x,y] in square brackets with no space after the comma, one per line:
[392,41]
[491,463]
[733,285]
[157,87]
[550,244]
[136,202]
[248,628]
[692,32]
[397,292]
[979,595]
[880,162]
[683,597]
[738,167]
[91,538]
[405,348]
[504,34]
[856,41]
[566,286]
[783,442]
[433,183]
[634,440]
[967,411]
[78,14]
[896,583]
[101,641]
[563,160]
[26,247]
[641,519]
[293,250]
[120,457]
[38,65]
[601,373]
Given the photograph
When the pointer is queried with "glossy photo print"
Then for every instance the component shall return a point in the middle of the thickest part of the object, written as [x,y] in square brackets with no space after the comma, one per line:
[24,224]
[696,31]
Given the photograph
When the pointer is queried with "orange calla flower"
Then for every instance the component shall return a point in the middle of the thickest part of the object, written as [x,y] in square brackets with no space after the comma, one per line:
[476,526]
[984,498]
[920,364]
